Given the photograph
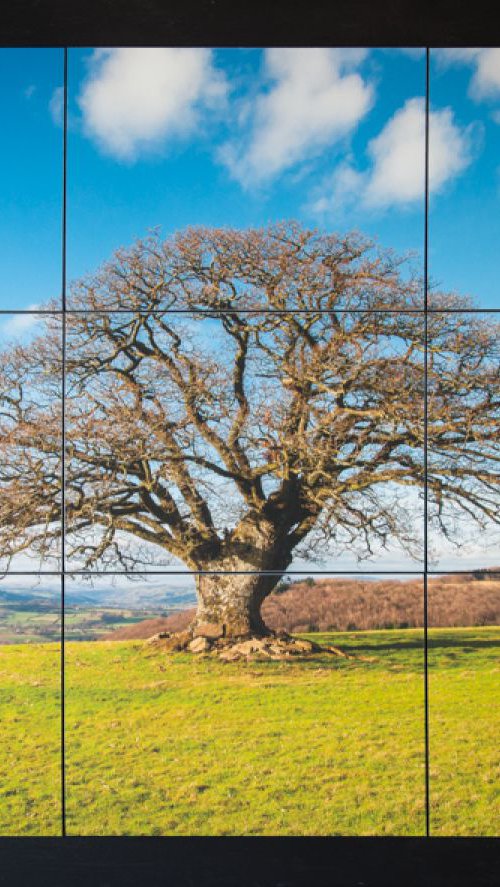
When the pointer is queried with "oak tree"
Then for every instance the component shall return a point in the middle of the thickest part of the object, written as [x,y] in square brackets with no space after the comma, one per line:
[233,397]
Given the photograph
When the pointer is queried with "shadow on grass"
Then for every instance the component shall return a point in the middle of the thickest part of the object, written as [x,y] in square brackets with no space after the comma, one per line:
[418,645]
[469,644]
[396,646]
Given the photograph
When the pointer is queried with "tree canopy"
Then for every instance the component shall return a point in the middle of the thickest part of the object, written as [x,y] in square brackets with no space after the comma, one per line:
[234,396]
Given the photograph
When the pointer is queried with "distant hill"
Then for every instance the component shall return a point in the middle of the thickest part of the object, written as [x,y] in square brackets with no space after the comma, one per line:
[148,627]
[358,604]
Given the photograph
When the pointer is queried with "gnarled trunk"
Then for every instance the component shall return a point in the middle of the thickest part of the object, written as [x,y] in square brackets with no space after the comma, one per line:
[229,604]
[235,583]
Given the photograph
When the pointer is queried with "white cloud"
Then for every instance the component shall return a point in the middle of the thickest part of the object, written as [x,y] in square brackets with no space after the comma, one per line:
[396,175]
[451,55]
[398,155]
[134,99]
[315,98]
[18,324]
[345,183]
[56,106]
[485,82]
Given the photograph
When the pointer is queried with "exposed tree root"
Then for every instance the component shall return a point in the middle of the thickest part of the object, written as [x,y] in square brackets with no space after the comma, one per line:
[274,646]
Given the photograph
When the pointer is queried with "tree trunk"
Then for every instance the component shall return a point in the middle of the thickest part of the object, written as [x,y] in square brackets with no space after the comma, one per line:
[234,584]
[229,604]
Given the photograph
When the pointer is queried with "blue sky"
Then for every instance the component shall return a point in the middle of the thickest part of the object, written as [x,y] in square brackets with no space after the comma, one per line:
[30,178]
[167,138]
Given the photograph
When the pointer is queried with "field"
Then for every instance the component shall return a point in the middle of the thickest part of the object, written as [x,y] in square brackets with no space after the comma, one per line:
[185,745]
[30,739]
[34,622]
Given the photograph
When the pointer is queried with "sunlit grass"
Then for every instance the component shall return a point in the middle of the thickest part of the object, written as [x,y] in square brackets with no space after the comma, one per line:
[30,732]
[164,745]
[178,745]
[465,726]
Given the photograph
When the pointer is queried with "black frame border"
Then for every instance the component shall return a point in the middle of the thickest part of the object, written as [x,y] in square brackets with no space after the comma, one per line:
[337,862]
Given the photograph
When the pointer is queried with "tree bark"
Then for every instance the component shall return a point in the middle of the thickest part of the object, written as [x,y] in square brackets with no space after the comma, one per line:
[234,582]
[229,604]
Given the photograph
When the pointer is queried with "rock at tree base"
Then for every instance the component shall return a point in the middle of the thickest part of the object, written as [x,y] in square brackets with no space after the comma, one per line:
[275,646]
[267,648]
[199,645]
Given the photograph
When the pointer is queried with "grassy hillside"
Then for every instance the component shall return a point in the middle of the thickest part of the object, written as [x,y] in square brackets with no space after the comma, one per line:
[184,745]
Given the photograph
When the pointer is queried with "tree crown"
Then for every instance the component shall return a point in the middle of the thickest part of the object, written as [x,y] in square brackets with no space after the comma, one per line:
[247,391]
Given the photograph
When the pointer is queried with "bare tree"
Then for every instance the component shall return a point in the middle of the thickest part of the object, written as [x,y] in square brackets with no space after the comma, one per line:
[234,397]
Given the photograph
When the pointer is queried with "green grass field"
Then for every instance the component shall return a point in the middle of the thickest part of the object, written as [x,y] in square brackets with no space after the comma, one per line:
[30,730]
[163,745]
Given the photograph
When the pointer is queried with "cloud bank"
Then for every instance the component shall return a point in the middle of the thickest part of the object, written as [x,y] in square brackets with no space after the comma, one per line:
[304,101]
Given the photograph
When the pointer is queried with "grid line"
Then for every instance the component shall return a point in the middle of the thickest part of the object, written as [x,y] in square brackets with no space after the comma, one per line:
[63,452]
[426,416]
